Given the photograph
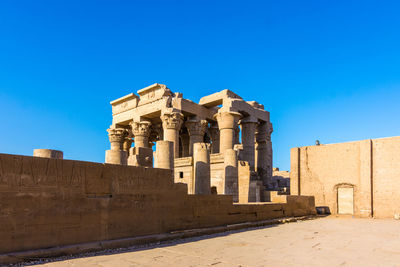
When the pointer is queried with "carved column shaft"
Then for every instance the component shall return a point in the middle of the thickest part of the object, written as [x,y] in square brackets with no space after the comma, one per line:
[141,131]
[196,129]
[264,151]
[227,122]
[172,123]
[237,133]
[185,144]
[127,143]
[116,155]
[214,132]
[248,135]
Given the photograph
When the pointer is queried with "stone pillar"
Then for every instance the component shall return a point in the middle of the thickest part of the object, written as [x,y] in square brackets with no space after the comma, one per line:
[264,152]
[231,174]
[172,123]
[201,166]
[141,154]
[185,144]
[237,133]
[155,134]
[48,153]
[196,129]
[269,151]
[127,144]
[227,122]
[164,155]
[214,132]
[116,155]
[141,132]
[248,135]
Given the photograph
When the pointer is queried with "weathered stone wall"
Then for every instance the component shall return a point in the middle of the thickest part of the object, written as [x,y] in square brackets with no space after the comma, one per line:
[184,172]
[386,176]
[53,202]
[370,167]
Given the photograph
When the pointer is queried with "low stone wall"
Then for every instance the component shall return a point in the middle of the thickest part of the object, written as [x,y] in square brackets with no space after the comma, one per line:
[48,202]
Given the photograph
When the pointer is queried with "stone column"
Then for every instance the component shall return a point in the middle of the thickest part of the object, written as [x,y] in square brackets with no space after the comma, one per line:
[127,143]
[196,129]
[227,122]
[172,123]
[231,174]
[185,144]
[116,155]
[269,151]
[237,133]
[48,153]
[141,132]
[164,155]
[248,134]
[264,152]
[141,154]
[201,166]
[214,132]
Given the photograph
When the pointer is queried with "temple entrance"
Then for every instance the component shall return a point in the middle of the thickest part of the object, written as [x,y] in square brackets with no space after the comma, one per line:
[345,200]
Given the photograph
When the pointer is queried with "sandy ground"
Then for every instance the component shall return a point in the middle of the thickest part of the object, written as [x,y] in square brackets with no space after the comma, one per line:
[321,242]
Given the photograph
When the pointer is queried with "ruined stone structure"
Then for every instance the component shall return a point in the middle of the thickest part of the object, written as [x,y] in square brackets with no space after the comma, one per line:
[358,178]
[52,206]
[207,153]
[281,181]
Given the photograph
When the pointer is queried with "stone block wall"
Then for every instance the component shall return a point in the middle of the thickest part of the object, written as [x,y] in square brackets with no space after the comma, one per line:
[370,167]
[46,203]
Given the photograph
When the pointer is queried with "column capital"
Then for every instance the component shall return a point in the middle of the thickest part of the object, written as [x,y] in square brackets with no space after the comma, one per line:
[117,134]
[196,126]
[227,119]
[156,132]
[172,120]
[141,128]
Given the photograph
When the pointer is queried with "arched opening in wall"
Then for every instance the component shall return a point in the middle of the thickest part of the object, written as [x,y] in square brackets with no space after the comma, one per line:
[345,199]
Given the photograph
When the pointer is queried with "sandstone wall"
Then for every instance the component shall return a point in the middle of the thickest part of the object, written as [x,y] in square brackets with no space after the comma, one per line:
[386,177]
[52,202]
[371,167]
[184,172]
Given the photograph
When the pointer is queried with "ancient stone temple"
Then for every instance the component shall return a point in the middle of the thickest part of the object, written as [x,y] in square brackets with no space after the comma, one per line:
[221,145]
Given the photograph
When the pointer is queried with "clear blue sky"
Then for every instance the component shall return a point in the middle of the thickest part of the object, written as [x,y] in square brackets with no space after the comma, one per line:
[326,70]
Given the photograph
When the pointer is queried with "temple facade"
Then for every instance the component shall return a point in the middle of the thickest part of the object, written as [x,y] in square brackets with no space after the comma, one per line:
[221,145]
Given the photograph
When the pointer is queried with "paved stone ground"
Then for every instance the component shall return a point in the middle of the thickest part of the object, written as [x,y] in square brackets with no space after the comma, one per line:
[321,242]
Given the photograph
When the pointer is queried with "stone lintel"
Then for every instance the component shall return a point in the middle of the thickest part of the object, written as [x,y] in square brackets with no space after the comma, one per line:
[124,103]
[217,98]
[246,109]
[153,93]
